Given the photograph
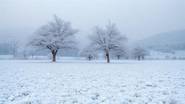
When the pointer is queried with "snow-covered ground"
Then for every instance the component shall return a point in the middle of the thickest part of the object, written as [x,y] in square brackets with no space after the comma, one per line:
[74,82]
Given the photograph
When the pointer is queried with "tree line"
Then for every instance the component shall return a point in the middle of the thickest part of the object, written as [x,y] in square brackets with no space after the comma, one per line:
[58,35]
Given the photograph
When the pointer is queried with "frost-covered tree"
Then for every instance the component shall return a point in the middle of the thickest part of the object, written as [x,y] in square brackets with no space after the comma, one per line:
[107,39]
[57,34]
[139,53]
[89,52]
[14,46]
[121,52]
[10,47]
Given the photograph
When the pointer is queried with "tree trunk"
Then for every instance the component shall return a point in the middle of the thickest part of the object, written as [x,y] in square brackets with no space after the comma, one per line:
[118,57]
[143,57]
[90,58]
[139,57]
[54,53]
[107,56]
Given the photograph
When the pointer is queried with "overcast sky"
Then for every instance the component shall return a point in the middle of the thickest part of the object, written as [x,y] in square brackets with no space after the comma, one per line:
[135,18]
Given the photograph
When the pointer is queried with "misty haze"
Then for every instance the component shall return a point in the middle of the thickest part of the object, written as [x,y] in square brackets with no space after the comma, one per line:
[92,52]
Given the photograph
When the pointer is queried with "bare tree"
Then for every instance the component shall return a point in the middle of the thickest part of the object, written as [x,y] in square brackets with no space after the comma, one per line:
[55,35]
[139,53]
[121,52]
[107,39]
[14,46]
[89,52]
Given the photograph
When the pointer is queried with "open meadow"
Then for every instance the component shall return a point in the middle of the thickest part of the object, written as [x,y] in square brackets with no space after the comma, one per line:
[92,82]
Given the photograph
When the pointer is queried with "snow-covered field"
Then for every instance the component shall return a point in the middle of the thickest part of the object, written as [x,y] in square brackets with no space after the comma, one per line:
[74,82]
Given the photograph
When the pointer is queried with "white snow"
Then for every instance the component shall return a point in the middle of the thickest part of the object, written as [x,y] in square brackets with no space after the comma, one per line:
[74,82]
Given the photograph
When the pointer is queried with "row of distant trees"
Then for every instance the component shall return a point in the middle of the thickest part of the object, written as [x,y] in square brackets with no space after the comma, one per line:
[136,53]
[59,35]
[9,47]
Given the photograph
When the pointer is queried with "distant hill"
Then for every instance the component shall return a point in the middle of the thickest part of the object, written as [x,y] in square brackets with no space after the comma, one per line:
[174,40]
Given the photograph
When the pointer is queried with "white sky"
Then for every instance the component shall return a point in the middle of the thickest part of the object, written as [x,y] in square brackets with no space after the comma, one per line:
[135,18]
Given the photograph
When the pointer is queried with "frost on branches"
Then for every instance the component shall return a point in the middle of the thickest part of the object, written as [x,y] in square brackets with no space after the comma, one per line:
[55,35]
[107,39]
